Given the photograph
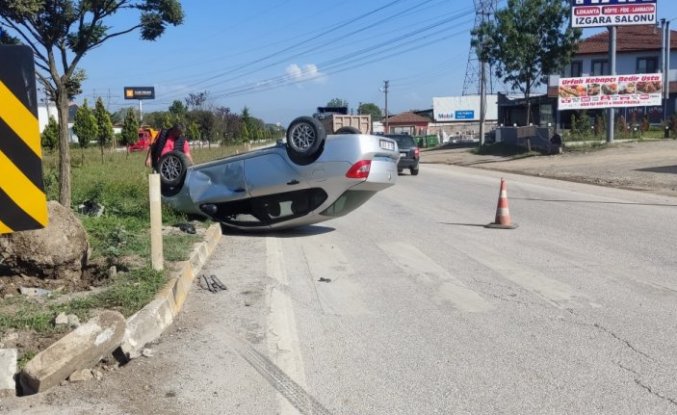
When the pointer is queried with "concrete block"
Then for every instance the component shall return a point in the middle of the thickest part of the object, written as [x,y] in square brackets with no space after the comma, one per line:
[213,237]
[80,349]
[8,368]
[199,256]
[184,283]
[83,375]
[146,325]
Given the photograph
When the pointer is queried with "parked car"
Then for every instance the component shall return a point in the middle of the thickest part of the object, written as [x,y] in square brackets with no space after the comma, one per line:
[310,178]
[409,153]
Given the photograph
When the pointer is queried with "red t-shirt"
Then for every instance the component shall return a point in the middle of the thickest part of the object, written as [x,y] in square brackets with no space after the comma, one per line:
[169,146]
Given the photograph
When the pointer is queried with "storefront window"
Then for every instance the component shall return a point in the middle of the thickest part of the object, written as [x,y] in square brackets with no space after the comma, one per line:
[647,65]
[600,67]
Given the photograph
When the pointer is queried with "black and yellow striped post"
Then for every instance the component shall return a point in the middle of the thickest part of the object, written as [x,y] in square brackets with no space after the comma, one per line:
[23,204]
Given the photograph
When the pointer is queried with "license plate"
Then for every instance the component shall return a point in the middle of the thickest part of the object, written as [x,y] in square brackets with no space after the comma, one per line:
[404,154]
[387,145]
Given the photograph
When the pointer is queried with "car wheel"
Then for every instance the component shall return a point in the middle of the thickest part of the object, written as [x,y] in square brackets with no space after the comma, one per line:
[172,168]
[348,130]
[399,171]
[414,171]
[305,139]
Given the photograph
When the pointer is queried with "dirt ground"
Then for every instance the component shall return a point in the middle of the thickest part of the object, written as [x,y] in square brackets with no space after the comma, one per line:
[649,166]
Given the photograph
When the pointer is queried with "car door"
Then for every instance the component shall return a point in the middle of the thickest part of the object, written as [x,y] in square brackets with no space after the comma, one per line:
[218,181]
[270,173]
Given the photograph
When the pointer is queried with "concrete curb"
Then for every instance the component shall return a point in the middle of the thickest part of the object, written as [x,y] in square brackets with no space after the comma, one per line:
[80,349]
[143,327]
[147,324]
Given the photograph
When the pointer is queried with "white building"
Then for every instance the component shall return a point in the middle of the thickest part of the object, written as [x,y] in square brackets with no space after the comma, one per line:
[459,117]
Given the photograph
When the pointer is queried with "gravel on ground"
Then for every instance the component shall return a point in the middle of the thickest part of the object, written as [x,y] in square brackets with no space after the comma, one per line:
[649,166]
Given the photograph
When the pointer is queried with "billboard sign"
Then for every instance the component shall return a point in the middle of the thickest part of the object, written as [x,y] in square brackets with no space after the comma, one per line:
[139,92]
[465,115]
[463,108]
[597,13]
[616,91]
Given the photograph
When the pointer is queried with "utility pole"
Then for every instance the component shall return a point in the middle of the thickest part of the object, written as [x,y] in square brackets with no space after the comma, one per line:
[385,91]
[665,65]
[483,86]
[612,59]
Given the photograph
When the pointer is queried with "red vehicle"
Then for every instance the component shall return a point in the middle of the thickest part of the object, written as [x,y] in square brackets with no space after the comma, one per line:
[146,137]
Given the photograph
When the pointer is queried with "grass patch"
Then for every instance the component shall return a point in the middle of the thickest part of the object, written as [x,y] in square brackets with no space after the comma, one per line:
[127,294]
[19,313]
[178,247]
[25,358]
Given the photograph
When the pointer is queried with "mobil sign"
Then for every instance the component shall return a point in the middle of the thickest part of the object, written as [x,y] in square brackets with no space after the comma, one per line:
[595,13]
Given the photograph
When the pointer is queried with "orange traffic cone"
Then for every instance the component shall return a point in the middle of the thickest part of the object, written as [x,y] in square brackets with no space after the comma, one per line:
[503,220]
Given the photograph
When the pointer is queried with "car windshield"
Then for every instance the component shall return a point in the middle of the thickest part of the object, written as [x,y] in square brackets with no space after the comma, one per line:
[404,141]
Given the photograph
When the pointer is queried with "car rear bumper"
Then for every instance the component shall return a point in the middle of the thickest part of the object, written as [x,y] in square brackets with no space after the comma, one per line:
[382,174]
[407,164]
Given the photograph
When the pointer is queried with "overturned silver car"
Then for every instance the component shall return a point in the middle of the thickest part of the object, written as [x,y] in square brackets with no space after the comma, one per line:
[311,178]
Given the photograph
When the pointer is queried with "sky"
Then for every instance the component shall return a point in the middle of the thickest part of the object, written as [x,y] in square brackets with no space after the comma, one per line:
[284,58]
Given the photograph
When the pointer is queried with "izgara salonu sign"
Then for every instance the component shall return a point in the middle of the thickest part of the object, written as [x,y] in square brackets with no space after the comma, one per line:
[596,13]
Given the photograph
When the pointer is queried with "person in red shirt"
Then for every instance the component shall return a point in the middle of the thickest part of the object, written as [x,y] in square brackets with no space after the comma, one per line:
[173,140]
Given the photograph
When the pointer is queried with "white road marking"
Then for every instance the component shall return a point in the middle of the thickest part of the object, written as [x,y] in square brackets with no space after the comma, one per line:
[428,273]
[282,338]
[554,292]
[342,295]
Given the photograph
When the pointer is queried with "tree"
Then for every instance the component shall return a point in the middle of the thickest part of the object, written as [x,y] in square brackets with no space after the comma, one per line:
[229,123]
[104,124]
[248,131]
[178,111]
[130,128]
[527,41]
[158,119]
[371,109]
[84,125]
[193,131]
[581,125]
[62,32]
[50,135]
[337,102]
[196,101]
[206,124]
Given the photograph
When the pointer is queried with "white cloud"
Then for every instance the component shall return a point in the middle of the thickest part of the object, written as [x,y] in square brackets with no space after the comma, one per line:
[309,72]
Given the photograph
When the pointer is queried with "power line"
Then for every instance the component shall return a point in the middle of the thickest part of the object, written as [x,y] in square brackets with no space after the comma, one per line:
[298,44]
[386,49]
[356,57]
[280,81]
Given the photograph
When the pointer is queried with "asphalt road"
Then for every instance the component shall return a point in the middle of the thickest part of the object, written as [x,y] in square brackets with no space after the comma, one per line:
[410,306]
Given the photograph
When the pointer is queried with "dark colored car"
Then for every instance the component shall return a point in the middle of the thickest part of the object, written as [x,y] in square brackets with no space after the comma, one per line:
[409,153]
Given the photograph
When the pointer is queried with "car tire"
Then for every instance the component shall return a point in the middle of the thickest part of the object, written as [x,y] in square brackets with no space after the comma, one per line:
[399,171]
[305,140]
[348,130]
[414,171]
[172,168]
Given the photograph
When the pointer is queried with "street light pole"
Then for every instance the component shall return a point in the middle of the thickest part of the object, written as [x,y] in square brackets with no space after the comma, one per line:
[612,59]
[385,90]
[666,72]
